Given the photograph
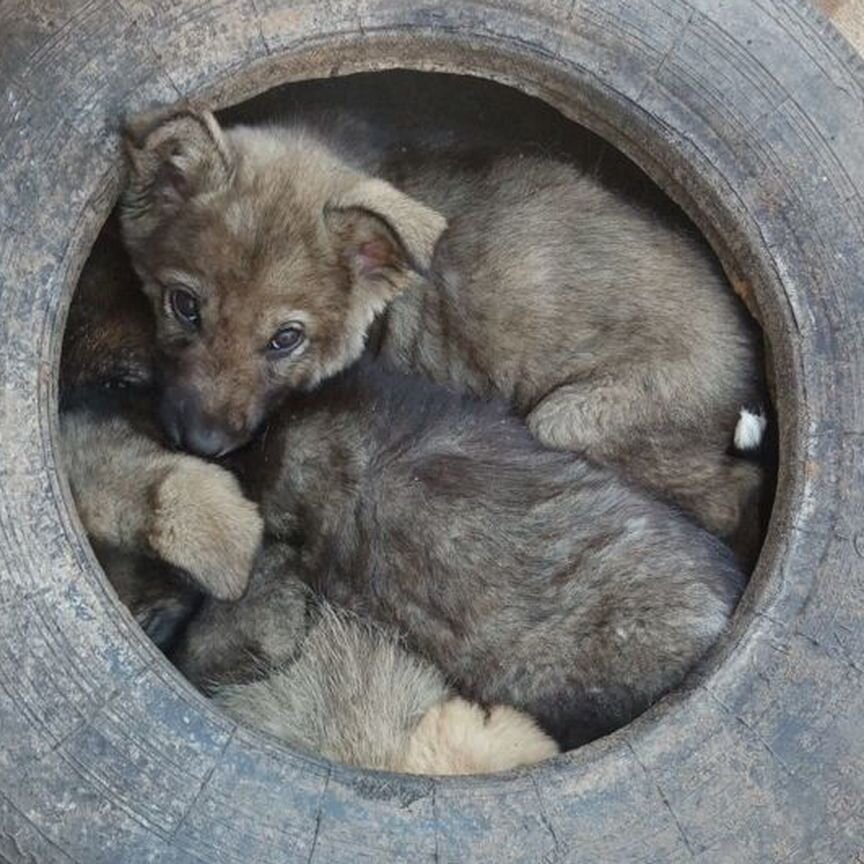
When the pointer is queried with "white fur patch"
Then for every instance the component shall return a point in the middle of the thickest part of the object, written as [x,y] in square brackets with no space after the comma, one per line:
[749,430]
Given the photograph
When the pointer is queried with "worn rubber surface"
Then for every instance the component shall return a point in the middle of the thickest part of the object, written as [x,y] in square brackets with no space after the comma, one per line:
[750,113]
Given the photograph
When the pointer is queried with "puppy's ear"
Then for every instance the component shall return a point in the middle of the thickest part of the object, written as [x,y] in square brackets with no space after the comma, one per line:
[383,235]
[174,155]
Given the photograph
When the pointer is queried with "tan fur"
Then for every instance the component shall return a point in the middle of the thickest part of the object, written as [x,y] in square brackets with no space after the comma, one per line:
[417,228]
[458,737]
[135,496]
[203,524]
[183,144]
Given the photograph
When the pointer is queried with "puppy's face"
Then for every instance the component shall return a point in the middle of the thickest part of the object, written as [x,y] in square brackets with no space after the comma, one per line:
[266,259]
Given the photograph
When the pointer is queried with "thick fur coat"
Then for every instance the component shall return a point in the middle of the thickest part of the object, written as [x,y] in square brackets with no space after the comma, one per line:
[530,577]
[322,679]
[279,660]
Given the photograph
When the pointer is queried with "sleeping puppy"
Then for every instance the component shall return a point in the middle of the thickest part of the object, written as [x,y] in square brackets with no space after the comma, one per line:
[271,257]
[110,337]
[354,694]
[164,524]
[529,577]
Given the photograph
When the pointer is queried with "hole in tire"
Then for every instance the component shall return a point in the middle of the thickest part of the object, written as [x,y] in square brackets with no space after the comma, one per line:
[111,358]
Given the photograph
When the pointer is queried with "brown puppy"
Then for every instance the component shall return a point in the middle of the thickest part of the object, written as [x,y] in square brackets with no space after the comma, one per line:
[110,338]
[268,255]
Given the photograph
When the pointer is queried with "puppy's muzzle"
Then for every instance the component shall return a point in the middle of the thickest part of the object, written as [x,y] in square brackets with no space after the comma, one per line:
[188,427]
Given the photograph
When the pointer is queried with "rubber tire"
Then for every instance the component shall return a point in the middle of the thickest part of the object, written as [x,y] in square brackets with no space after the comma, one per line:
[750,113]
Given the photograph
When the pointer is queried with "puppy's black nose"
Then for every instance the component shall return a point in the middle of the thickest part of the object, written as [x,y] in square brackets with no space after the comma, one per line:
[188,428]
[207,440]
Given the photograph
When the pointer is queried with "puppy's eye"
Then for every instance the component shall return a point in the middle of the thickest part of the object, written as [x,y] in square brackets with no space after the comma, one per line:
[184,305]
[286,339]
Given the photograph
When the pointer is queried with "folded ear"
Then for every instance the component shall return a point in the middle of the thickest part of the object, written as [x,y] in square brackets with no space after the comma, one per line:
[384,235]
[174,154]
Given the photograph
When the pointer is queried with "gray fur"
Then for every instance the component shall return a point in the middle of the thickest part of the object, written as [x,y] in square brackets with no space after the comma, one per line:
[230,643]
[158,596]
[530,577]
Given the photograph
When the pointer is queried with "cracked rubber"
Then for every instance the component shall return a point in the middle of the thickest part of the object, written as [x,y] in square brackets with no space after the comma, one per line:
[749,113]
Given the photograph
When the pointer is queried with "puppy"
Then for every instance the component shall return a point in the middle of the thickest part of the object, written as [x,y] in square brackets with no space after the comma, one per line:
[268,256]
[530,577]
[354,694]
[110,339]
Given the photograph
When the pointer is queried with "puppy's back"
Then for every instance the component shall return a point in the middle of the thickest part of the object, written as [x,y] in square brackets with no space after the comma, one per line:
[532,577]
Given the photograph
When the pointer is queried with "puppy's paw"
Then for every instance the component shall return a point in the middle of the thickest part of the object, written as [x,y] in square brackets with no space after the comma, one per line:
[163,621]
[204,525]
[458,737]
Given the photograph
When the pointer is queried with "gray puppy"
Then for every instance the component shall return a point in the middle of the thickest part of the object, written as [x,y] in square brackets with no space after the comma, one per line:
[268,256]
[530,577]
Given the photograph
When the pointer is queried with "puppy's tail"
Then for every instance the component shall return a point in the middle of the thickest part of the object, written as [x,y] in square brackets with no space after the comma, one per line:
[749,437]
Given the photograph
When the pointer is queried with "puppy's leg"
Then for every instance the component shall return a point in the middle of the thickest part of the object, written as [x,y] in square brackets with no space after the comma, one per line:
[628,424]
[571,418]
[160,602]
[599,416]
[139,498]
[458,737]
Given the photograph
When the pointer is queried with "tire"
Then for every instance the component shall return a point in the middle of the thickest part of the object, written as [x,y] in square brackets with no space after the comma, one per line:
[750,113]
